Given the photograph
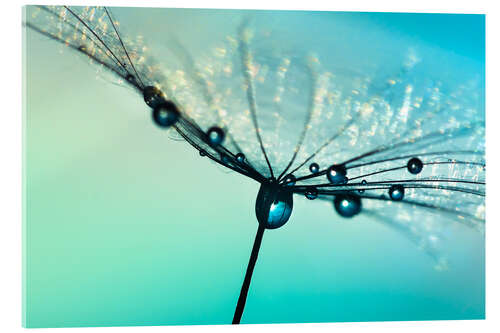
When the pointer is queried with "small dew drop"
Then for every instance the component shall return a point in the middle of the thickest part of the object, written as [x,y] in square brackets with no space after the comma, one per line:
[336,174]
[203,153]
[311,193]
[290,180]
[363,182]
[215,135]
[240,157]
[130,78]
[397,192]
[415,165]
[314,168]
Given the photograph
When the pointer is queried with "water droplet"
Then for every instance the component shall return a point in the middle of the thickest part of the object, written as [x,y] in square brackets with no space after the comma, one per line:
[165,114]
[314,168]
[273,206]
[215,135]
[397,192]
[336,174]
[153,96]
[347,205]
[363,182]
[225,159]
[203,153]
[415,165]
[130,78]
[311,193]
[240,157]
[289,180]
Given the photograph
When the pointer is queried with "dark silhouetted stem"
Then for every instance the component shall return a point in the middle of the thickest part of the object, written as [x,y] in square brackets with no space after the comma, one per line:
[248,275]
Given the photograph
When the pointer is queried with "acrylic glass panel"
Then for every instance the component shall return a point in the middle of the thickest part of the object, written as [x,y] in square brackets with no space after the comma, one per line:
[164,149]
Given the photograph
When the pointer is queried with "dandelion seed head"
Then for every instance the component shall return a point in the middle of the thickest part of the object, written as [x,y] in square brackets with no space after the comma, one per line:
[257,88]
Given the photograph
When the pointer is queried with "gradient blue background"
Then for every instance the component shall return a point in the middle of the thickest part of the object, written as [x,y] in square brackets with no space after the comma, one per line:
[124,226]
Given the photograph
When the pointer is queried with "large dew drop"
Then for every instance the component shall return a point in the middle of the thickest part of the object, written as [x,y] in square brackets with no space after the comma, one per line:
[153,96]
[215,135]
[347,205]
[336,174]
[165,114]
[274,205]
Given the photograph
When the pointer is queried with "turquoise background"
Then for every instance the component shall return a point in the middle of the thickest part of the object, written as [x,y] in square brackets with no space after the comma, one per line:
[124,226]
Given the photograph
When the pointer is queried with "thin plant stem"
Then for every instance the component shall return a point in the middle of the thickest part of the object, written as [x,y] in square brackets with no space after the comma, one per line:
[248,275]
